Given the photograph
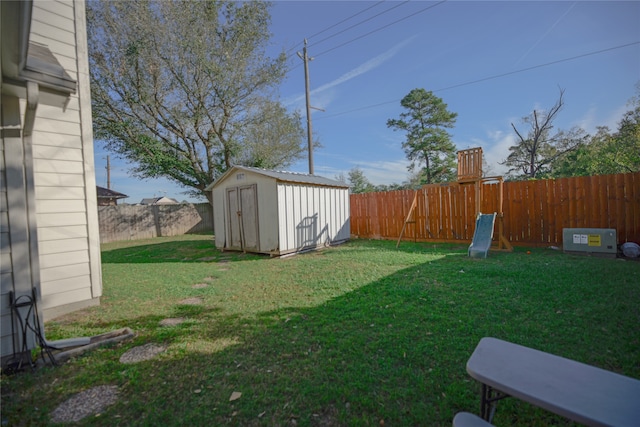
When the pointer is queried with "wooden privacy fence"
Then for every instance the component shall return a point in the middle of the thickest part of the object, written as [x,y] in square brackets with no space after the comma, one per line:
[535,212]
[129,222]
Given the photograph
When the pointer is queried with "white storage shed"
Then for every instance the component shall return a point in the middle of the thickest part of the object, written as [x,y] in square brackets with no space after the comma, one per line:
[278,213]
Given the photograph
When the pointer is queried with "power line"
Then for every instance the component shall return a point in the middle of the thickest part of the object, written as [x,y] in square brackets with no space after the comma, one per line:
[370,32]
[346,19]
[336,24]
[360,23]
[382,28]
[484,79]
[538,66]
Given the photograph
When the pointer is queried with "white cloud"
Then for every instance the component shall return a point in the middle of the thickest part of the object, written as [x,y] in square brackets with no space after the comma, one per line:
[588,121]
[546,33]
[615,116]
[384,172]
[377,172]
[495,149]
[363,68]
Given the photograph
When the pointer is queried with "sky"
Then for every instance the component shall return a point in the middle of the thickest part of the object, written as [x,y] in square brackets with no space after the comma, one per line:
[491,62]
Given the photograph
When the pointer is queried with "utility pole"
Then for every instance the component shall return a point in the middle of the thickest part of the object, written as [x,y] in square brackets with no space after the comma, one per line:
[109,172]
[305,58]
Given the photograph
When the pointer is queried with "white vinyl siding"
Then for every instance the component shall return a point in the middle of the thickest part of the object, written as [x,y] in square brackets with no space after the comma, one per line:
[6,277]
[61,233]
[70,245]
[47,183]
[70,113]
[63,167]
[60,206]
[63,273]
[45,153]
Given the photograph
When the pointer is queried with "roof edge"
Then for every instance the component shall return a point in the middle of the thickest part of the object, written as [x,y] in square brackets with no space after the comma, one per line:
[282,176]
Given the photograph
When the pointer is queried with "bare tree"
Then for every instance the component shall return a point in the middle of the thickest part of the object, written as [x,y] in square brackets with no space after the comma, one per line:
[541,146]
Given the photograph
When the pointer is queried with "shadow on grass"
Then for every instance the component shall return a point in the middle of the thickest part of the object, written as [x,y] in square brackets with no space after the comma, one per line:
[173,251]
[393,350]
[204,250]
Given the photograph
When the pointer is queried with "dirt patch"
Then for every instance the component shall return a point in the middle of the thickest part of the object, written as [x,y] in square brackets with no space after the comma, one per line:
[172,321]
[328,417]
[141,353]
[207,259]
[89,402]
[191,301]
[199,285]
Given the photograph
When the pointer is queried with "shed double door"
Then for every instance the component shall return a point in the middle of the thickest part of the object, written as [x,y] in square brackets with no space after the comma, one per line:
[242,205]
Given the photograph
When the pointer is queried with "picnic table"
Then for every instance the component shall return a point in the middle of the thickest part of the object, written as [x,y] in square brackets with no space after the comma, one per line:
[580,392]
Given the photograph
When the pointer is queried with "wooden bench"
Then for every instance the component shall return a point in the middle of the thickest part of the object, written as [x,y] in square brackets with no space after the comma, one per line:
[580,392]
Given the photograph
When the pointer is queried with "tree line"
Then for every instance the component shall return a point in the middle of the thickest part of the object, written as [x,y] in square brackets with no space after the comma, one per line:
[540,151]
[185,90]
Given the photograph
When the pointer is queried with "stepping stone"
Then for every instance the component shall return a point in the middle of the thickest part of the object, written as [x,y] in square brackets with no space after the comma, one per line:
[141,353]
[191,301]
[172,321]
[89,402]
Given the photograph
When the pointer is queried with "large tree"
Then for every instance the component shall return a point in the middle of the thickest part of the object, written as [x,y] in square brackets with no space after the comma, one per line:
[359,182]
[185,89]
[605,152]
[624,146]
[428,144]
[541,145]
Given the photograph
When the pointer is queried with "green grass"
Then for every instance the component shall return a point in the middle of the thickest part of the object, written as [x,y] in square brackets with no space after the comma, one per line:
[350,335]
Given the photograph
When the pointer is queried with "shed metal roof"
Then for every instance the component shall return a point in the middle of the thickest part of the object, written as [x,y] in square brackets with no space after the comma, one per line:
[296,177]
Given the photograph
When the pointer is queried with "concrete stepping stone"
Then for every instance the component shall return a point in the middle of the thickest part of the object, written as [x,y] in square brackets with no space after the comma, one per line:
[191,301]
[89,402]
[141,353]
[172,321]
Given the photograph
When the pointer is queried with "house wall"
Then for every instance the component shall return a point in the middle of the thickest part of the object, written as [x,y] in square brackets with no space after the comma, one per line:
[6,265]
[18,260]
[65,190]
[6,278]
[311,216]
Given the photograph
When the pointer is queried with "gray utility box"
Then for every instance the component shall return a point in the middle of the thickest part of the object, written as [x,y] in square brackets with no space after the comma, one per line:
[593,241]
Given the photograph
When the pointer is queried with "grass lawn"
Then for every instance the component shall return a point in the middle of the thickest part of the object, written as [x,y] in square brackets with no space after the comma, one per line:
[359,334]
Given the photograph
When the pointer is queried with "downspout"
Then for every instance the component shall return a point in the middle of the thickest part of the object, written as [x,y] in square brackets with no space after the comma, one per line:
[80,344]
[33,97]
